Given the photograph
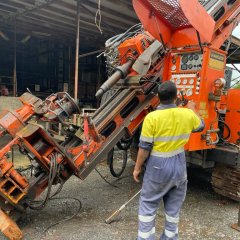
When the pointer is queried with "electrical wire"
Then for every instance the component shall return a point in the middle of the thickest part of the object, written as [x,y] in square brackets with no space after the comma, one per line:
[25,169]
[111,52]
[219,119]
[53,173]
[104,179]
[135,29]
[98,17]
[225,139]
[58,190]
[68,218]
[123,177]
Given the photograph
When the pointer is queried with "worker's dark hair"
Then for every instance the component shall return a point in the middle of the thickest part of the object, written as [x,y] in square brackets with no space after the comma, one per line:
[167,92]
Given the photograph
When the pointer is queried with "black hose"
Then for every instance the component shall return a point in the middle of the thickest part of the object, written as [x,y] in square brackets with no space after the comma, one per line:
[39,205]
[104,179]
[224,139]
[54,171]
[111,161]
[68,218]
[124,144]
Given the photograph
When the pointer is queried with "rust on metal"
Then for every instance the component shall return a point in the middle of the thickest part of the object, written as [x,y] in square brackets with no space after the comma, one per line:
[226,181]
[9,228]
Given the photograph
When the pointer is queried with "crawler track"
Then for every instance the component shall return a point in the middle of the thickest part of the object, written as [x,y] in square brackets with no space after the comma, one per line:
[226,181]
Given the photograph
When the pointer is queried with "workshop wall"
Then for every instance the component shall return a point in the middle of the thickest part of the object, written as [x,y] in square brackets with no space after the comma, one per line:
[45,66]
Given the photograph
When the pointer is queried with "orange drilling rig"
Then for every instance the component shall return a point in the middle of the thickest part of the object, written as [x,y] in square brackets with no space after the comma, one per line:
[180,41]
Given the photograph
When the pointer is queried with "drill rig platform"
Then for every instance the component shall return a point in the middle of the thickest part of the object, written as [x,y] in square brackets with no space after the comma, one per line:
[180,41]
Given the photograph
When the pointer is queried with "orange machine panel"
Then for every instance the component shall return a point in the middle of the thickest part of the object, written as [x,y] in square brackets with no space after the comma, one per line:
[233,115]
[194,72]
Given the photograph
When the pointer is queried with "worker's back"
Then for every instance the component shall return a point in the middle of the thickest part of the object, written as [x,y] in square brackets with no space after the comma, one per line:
[169,129]
[164,134]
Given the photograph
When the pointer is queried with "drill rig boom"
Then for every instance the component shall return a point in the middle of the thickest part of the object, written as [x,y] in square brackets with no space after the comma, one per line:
[180,42]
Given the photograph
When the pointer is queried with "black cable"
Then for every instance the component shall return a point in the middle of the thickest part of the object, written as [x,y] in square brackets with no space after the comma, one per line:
[111,161]
[225,139]
[68,218]
[105,179]
[122,177]
[25,169]
[51,177]
[125,143]
[220,119]
[58,190]
[54,171]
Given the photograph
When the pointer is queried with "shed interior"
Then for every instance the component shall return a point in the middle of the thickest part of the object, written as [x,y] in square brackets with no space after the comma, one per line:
[38,44]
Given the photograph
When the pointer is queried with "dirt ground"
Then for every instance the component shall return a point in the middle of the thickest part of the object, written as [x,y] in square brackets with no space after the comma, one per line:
[205,215]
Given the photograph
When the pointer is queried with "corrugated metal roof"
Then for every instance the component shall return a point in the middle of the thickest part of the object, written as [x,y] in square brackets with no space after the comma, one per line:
[57,19]
[234,51]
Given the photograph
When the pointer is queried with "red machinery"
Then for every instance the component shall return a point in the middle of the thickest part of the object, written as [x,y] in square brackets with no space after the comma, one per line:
[180,42]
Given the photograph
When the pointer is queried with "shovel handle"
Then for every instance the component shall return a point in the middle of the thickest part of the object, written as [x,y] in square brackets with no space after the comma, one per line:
[109,220]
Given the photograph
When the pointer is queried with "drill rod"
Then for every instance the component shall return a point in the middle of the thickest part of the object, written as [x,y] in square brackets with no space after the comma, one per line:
[121,72]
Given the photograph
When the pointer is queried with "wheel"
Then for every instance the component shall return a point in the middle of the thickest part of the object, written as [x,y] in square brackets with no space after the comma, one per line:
[117,160]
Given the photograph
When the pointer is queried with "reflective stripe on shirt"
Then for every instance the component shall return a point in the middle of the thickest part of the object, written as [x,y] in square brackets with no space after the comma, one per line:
[167,154]
[168,129]
[171,138]
[146,139]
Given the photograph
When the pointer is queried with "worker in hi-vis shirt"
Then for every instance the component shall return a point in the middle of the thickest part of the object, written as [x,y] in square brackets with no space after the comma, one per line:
[165,131]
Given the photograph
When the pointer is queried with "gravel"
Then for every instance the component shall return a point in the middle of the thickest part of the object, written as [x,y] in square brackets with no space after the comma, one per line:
[205,215]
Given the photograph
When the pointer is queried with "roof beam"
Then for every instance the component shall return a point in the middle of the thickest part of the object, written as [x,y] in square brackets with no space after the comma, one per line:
[29,10]
[55,14]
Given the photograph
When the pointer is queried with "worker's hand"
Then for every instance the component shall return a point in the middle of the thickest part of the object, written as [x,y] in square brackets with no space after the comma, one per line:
[136,173]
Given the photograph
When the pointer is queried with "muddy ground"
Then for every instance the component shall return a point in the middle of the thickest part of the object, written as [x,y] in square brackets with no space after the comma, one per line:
[205,215]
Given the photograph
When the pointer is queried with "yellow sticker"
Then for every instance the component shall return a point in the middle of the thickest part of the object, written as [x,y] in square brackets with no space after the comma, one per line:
[217,61]
[203,105]
[203,112]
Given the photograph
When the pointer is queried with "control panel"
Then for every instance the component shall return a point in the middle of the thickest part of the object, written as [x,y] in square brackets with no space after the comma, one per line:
[187,84]
[185,73]
[191,62]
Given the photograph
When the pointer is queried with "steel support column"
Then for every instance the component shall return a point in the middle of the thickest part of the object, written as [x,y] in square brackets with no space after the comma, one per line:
[69,71]
[15,63]
[77,52]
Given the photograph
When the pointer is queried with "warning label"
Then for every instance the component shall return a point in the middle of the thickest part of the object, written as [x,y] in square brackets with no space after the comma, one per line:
[217,61]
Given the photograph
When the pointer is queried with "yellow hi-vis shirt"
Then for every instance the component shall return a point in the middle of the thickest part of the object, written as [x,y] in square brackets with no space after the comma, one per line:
[169,129]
